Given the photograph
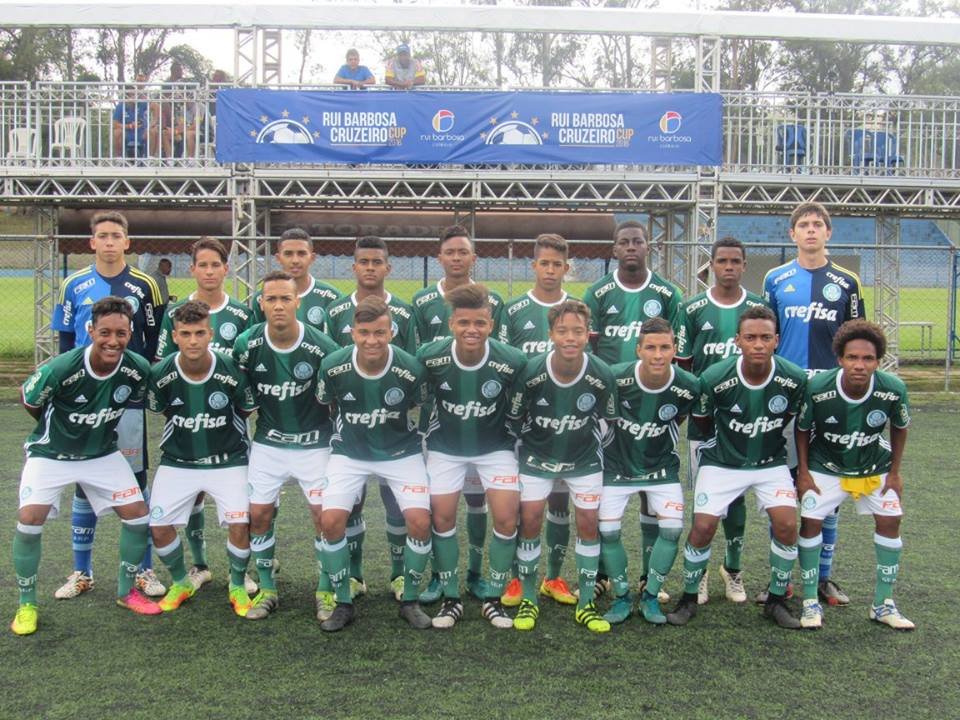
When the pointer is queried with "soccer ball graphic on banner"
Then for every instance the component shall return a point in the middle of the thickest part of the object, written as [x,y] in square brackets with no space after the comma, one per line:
[285,132]
[514,132]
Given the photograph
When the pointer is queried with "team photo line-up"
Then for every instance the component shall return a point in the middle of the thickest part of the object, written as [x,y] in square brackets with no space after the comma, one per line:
[520,406]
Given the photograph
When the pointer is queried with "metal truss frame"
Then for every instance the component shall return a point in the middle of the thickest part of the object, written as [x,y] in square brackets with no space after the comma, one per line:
[249,248]
[661,64]
[201,188]
[45,283]
[887,286]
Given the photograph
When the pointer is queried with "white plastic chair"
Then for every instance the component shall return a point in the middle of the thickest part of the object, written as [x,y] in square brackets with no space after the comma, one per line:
[68,135]
[23,144]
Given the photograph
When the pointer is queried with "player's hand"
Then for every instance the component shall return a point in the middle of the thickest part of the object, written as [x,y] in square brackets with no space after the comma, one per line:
[805,482]
[894,482]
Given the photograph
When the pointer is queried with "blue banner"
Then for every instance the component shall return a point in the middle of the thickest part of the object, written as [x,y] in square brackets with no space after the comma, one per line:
[282,126]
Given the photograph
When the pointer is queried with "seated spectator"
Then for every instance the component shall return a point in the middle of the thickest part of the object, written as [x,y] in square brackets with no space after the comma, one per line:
[180,116]
[218,79]
[132,134]
[403,72]
[354,75]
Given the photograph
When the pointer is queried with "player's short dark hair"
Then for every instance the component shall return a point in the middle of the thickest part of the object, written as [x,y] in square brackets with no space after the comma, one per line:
[109,216]
[630,224]
[654,326]
[191,312]
[810,208]
[275,275]
[575,307]
[209,243]
[860,330]
[757,312]
[550,241]
[468,297]
[294,233]
[166,260]
[371,242]
[369,309]
[453,231]
[727,242]
[110,305]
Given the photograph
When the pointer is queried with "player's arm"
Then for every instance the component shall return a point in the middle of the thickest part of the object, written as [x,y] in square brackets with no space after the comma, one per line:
[38,389]
[702,414]
[62,322]
[591,302]
[244,403]
[899,421]
[856,307]
[165,345]
[256,314]
[770,295]
[410,336]
[683,328]
[803,429]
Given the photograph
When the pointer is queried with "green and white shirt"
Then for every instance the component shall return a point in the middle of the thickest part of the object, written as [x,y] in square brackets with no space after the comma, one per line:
[313,304]
[226,321]
[525,324]
[432,313]
[80,409]
[340,322]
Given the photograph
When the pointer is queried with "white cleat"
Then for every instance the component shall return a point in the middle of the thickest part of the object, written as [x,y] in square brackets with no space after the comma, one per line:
[812,616]
[198,578]
[149,584]
[703,589]
[77,583]
[888,614]
[250,585]
[733,585]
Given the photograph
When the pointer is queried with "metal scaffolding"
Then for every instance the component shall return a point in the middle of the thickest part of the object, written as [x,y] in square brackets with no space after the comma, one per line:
[45,282]
[887,286]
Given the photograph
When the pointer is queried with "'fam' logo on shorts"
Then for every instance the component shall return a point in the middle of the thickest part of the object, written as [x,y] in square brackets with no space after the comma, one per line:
[505,480]
[123,494]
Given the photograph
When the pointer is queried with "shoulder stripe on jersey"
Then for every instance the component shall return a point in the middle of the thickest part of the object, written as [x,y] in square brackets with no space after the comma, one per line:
[70,278]
[851,273]
[154,288]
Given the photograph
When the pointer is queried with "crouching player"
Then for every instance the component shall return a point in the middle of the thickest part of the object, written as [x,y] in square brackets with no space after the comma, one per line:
[641,457]
[204,398]
[77,399]
[841,453]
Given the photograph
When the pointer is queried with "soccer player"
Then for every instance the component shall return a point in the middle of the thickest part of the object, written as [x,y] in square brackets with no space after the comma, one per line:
[374,386]
[205,400]
[706,336]
[842,453]
[110,275]
[655,396]
[526,327]
[470,379]
[281,359]
[77,399]
[295,255]
[746,402]
[558,403]
[812,297]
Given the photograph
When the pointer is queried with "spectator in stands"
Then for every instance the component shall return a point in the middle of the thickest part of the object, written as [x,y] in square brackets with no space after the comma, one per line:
[180,114]
[164,267]
[403,72]
[132,134]
[208,130]
[354,75]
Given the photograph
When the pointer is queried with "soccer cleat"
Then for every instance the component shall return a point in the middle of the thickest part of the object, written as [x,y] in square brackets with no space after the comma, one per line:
[250,585]
[492,610]
[139,603]
[77,583]
[703,589]
[326,602]
[396,587]
[761,597]
[239,600]
[450,613]
[357,588]
[411,611]
[527,615]
[341,616]
[650,609]
[830,593]
[776,609]
[887,614]
[593,621]
[432,592]
[812,616]
[476,586]
[619,610]
[513,594]
[177,595]
[662,595]
[25,621]
[558,590]
[733,585]
[264,604]
[685,610]
[149,584]
[199,577]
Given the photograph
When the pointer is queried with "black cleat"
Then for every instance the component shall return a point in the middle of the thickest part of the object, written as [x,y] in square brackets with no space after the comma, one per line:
[341,616]
[411,611]
[685,610]
[776,609]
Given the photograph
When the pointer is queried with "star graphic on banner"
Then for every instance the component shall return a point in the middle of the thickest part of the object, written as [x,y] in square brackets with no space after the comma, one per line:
[264,118]
[285,113]
[483,136]
[514,115]
[306,120]
[316,134]
[493,121]
[534,121]
[544,135]
[253,133]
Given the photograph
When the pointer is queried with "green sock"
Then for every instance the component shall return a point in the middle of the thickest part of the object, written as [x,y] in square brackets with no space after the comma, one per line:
[26,560]
[888,565]
[238,558]
[476,537]
[195,535]
[734,528]
[356,531]
[528,563]
[588,561]
[133,543]
[782,558]
[558,537]
[664,554]
[809,553]
[397,540]
[503,555]
[446,559]
[415,556]
[336,564]
[172,557]
[694,563]
[614,556]
[649,530]
[262,548]
[323,580]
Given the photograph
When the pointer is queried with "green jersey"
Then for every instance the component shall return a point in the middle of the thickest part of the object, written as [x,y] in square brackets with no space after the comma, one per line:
[847,435]
[226,321]
[283,383]
[705,333]
[205,422]
[560,423]
[373,420]
[470,404]
[643,450]
[313,304]
[80,409]
[432,314]
[525,324]
[340,322]
[617,312]
[748,420]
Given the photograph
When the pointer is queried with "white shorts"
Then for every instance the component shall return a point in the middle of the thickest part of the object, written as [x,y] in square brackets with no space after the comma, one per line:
[817,507]
[717,487]
[407,478]
[665,501]
[271,467]
[585,490]
[495,471]
[472,484]
[107,481]
[694,460]
[130,437]
[175,493]
[790,435]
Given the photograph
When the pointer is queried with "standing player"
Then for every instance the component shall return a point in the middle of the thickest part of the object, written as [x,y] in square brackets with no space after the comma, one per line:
[705,336]
[841,453]
[374,386]
[205,399]
[812,297]
[77,400]
[110,275]
[470,378]
[558,403]
[746,402]
[281,359]
[655,396]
